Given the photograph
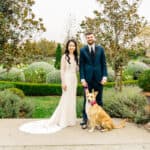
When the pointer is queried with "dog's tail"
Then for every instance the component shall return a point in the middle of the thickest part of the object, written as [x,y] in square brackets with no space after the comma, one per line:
[121,125]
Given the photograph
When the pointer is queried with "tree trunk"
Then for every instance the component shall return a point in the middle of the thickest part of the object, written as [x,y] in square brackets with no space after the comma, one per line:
[118,79]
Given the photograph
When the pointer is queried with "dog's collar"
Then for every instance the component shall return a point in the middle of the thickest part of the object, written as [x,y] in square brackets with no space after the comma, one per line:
[93,102]
[85,88]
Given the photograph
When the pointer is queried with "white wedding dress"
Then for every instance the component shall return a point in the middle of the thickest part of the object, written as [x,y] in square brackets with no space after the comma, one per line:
[65,113]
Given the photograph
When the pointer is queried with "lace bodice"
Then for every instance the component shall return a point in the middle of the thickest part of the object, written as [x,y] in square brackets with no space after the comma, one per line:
[67,68]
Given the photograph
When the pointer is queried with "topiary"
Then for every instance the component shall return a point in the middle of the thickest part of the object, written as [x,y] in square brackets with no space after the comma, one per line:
[58,56]
[144,80]
[17,91]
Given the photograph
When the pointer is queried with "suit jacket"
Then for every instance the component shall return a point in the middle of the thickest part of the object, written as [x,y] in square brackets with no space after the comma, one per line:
[98,68]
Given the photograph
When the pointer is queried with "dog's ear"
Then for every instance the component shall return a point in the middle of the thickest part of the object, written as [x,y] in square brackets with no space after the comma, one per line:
[92,90]
[95,93]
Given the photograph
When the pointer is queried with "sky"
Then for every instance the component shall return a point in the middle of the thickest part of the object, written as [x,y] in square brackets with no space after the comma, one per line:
[57,14]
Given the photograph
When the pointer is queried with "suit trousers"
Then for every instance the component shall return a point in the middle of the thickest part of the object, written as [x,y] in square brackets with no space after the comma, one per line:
[93,84]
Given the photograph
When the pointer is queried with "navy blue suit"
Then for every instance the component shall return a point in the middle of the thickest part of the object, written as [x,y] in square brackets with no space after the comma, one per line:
[93,72]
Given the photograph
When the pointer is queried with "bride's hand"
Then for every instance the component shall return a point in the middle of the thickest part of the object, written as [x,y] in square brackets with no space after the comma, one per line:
[64,87]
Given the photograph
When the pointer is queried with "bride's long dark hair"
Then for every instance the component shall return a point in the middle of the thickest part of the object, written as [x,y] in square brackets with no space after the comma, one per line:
[75,51]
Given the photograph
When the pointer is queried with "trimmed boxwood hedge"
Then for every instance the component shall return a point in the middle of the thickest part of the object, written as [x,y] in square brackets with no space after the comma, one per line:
[42,89]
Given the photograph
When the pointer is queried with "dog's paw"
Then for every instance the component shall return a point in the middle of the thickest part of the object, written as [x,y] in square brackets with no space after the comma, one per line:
[104,130]
[91,130]
[98,127]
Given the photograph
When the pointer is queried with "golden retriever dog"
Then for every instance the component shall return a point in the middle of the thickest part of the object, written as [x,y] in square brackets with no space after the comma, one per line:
[97,116]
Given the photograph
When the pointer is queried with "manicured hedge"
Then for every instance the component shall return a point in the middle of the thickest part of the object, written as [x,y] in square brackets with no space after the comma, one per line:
[39,89]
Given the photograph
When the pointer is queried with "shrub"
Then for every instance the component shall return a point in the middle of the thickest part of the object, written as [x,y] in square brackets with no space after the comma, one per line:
[146,60]
[13,75]
[111,75]
[53,77]
[2,70]
[11,106]
[37,76]
[127,104]
[17,91]
[134,54]
[37,71]
[136,68]
[144,80]
[26,109]
[126,76]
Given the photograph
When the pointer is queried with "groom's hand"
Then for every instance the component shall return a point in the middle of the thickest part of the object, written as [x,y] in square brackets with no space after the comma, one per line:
[84,83]
[103,81]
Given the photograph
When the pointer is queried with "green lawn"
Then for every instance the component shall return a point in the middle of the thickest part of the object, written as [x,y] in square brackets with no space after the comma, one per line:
[45,105]
[127,104]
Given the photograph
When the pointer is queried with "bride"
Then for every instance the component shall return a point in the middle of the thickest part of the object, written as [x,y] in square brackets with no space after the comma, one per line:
[65,113]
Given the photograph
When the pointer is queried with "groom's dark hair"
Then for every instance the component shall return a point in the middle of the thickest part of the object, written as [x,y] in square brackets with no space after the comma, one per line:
[88,33]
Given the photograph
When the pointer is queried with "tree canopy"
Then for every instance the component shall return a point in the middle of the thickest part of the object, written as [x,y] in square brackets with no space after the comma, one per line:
[17,24]
[116,25]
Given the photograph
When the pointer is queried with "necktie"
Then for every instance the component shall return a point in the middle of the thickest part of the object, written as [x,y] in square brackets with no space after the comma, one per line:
[92,54]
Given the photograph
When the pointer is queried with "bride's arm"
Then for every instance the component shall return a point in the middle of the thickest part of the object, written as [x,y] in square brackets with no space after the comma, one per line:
[63,69]
[77,68]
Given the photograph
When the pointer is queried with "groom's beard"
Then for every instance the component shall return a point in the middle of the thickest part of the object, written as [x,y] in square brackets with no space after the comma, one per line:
[91,42]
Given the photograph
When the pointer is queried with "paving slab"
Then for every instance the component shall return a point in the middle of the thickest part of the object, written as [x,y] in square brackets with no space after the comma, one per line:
[132,137]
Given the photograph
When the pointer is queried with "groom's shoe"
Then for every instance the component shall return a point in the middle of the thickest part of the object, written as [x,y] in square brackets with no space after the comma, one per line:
[83,122]
[84,126]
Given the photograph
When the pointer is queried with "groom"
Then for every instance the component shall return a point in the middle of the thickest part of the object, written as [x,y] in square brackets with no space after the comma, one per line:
[93,71]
